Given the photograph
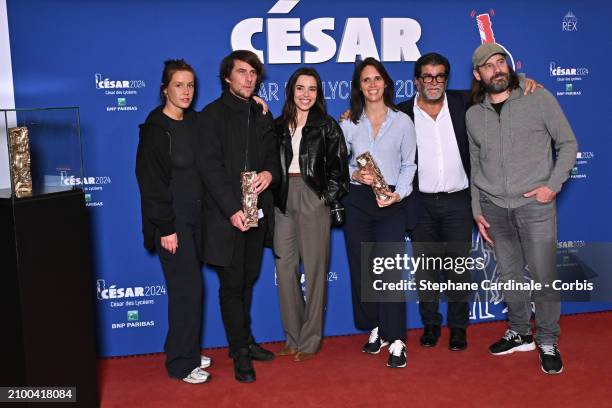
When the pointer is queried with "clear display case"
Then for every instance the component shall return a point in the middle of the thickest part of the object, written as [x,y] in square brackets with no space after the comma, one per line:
[41,149]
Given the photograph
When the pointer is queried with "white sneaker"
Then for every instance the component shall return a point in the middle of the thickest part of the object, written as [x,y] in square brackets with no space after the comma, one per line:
[397,355]
[205,362]
[375,343]
[197,376]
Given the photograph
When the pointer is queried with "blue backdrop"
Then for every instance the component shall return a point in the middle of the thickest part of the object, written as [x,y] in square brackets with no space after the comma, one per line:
[106,57]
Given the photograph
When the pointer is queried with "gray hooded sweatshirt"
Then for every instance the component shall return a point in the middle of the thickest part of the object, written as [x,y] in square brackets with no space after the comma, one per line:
[511,153]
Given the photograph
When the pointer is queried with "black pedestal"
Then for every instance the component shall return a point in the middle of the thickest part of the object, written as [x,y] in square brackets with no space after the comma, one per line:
[46,295]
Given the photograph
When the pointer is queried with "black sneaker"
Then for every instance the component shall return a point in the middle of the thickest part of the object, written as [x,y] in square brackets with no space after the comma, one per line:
[259,353]
[397,355]
[375,343]
[511,342]
[550,359]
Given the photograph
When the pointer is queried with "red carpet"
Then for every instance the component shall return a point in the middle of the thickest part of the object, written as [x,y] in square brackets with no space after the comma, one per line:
[342,376]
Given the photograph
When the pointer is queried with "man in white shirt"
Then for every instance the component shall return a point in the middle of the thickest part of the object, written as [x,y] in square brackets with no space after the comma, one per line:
[444,227]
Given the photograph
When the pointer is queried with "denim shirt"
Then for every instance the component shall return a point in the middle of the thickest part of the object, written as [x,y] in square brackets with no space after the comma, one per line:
[393,149]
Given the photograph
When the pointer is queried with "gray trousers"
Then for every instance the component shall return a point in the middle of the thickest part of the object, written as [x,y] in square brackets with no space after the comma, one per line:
[527,235]
[302,233]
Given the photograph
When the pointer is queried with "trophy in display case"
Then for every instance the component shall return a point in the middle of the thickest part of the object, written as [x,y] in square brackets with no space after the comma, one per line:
[19,160]
[44,218]
[40,151]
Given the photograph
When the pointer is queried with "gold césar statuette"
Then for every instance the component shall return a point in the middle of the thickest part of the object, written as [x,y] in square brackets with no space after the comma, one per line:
[19,148]
[380,186]
[249,198]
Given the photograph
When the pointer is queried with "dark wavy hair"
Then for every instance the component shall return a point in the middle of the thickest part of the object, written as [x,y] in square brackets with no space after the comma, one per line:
[478,91]
[357,98]
[171,66]
[289,108]
[227,64]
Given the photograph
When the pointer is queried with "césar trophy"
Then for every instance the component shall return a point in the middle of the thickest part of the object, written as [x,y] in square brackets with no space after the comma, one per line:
[379,186]
[19,148]
[249,198]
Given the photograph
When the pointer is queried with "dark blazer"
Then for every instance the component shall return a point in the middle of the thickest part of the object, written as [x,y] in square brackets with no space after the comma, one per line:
[223,127]
[458,103]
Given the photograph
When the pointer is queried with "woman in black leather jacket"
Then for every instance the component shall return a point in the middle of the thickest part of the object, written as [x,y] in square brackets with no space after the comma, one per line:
[314,175]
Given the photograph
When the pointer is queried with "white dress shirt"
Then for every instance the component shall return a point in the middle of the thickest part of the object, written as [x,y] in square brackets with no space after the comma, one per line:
[439,163]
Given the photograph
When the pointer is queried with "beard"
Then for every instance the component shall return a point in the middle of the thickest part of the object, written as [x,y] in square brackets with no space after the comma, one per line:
[497,84]
[432,96]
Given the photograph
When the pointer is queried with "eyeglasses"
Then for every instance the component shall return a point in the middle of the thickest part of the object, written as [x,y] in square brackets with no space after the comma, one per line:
[441,78]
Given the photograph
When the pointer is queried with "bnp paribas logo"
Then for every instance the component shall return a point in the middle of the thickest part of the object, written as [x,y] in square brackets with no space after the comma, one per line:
[121,102]
[132,315]
[570,22]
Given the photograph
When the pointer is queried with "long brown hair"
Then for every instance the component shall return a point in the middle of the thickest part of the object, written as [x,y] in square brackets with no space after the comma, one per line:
[357,98]
[289,108]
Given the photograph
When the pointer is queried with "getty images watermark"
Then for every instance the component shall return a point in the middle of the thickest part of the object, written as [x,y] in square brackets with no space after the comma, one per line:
[392,274]
[459,265]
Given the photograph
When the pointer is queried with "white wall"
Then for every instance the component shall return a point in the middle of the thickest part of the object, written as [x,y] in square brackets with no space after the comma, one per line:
[7,98]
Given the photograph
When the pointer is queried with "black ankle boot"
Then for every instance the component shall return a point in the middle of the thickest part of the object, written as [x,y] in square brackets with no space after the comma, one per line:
[431,333]
[243,367]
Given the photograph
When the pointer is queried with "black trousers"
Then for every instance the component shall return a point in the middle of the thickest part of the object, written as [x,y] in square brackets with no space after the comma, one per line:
[444,229]
[236,283]
[366,222]
[183,275]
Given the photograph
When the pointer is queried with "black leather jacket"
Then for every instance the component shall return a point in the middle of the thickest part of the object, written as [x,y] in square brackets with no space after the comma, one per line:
[322,157]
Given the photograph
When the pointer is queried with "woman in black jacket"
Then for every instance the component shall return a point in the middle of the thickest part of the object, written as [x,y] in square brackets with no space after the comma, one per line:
[314,175]
[171,198]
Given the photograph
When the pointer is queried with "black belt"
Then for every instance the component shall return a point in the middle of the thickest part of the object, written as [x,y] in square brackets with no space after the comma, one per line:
[442,194]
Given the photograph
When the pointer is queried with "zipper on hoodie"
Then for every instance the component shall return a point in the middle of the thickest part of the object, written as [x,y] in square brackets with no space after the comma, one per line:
[501,153]
[246,155]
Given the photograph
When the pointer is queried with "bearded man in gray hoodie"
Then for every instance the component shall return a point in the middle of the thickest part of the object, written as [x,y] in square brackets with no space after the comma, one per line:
[515,180]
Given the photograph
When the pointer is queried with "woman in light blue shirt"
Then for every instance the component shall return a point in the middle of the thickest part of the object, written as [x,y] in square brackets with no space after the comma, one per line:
[376,126]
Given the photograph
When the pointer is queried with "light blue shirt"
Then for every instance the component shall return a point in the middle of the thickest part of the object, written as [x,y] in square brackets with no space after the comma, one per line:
[393,149]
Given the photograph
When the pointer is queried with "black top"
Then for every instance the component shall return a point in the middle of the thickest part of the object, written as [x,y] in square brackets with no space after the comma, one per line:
[224,126]
[498,106]
[185,183]
[155,167]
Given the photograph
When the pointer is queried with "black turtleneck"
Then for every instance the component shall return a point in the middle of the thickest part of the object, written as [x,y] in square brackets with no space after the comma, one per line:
[247,143]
